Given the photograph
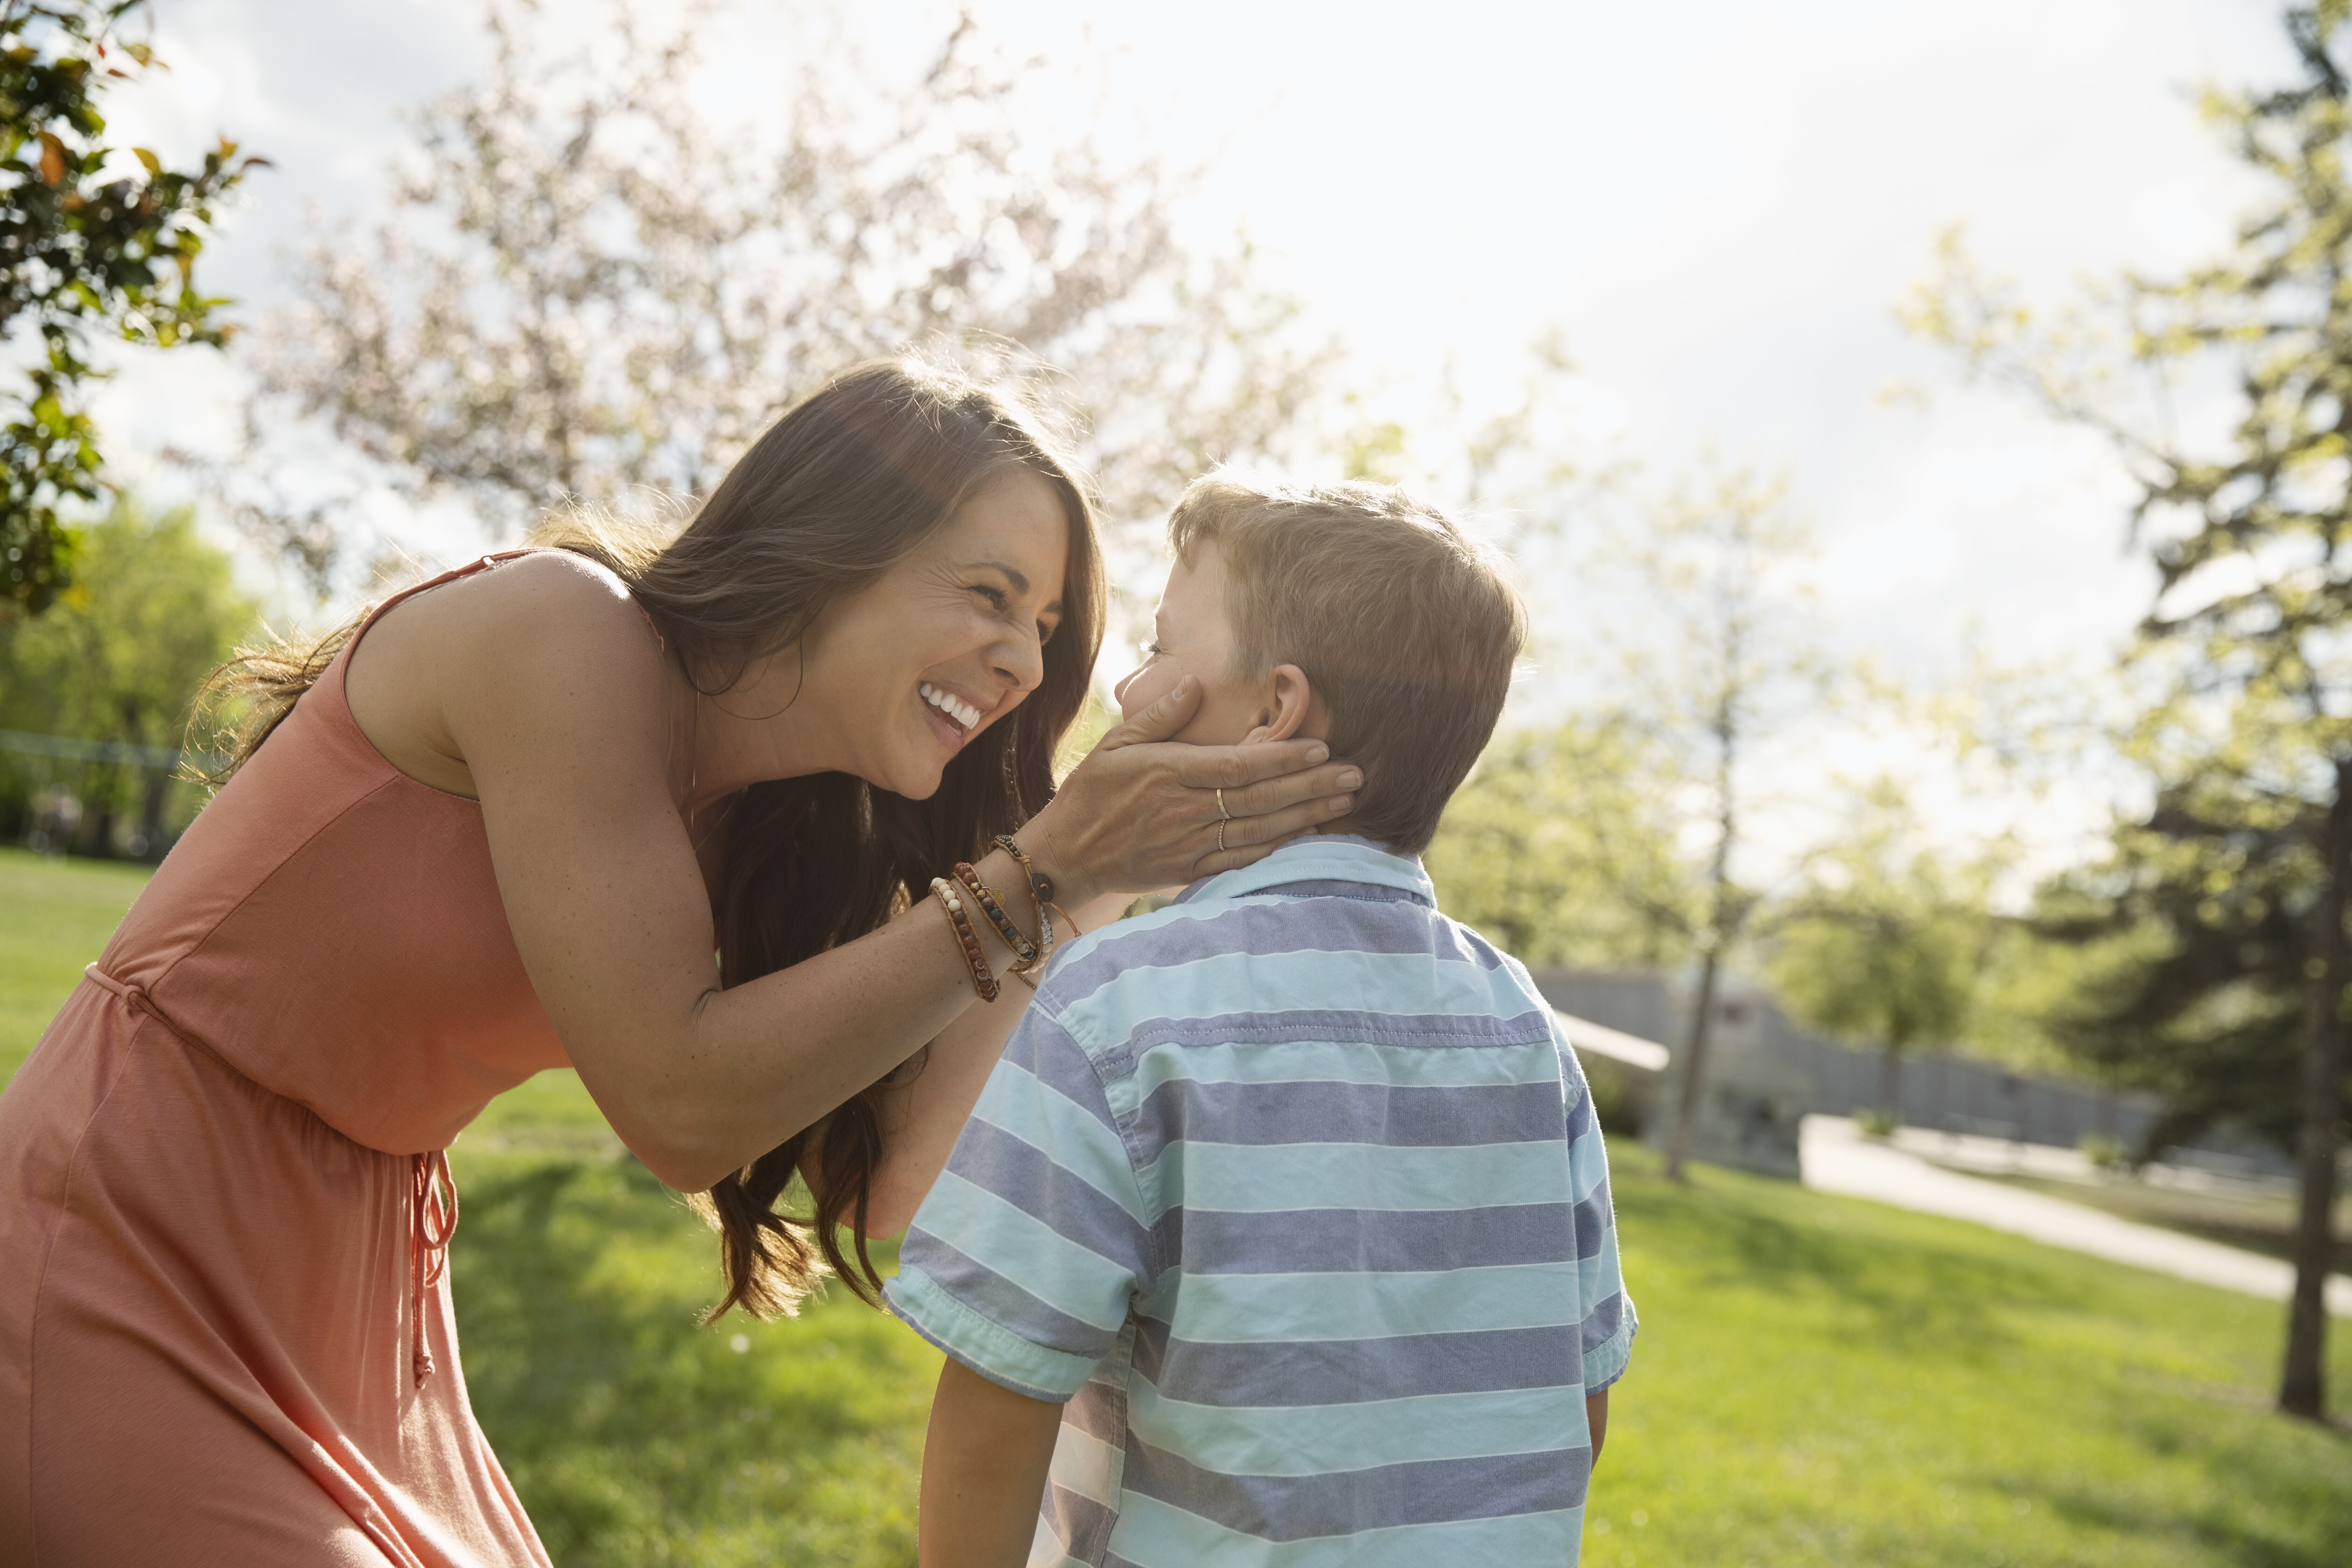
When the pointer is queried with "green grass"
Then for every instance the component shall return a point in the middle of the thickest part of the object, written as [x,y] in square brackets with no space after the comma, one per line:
[1823,1379]
[55,916]
[635,1437]
[1819,1380]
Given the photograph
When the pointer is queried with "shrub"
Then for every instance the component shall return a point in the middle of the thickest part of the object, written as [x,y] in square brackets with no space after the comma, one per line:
[2105,1154]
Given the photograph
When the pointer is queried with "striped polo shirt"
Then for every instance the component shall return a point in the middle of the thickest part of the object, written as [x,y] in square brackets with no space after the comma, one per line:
[1293,1191]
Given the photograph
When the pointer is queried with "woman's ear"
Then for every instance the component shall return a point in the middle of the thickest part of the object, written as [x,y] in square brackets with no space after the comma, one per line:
[1287,697]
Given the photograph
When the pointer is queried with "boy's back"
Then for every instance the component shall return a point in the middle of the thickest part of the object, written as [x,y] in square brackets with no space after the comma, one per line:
[1294,1186]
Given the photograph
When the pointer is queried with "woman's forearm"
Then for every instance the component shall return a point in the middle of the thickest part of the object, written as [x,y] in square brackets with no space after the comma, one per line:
[734,1085]
[921,1118]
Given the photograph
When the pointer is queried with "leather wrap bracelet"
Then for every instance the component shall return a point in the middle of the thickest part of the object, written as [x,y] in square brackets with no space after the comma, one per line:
[992,905]
[1040,887]
[984,983]
[1041,894]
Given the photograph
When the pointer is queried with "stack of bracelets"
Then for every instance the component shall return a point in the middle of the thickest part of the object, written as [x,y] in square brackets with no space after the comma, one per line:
[1029,957]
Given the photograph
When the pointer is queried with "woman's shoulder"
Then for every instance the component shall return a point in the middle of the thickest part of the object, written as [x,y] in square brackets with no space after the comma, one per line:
[549,602]
[558,582]
[545,638]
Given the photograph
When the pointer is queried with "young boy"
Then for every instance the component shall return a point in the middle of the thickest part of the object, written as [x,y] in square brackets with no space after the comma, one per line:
[1286,1209]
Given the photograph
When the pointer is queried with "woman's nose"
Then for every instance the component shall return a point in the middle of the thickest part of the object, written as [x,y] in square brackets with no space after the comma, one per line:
[1022,661]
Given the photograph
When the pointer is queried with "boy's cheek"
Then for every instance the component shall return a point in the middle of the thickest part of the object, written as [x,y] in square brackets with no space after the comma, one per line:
[1222,721]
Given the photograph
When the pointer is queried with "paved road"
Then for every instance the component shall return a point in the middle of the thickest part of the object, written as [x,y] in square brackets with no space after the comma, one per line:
[1838,1159]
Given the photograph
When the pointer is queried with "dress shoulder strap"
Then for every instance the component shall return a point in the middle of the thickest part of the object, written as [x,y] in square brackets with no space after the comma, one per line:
[481,564]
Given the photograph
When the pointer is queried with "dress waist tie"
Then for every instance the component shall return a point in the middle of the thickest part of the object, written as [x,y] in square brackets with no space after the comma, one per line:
[136,995]
[432,1190]
[434,1208]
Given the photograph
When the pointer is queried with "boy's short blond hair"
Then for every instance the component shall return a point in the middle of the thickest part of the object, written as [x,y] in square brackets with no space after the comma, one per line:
[1404,625]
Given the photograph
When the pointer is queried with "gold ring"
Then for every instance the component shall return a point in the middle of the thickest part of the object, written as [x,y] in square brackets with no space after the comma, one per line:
[1222,812]
[1221,836]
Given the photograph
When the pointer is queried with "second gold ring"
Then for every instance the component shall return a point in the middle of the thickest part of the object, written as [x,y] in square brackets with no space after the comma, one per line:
[1223,815]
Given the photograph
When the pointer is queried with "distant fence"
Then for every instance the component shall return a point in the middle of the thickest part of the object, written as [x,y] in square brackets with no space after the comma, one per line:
[163,759]
[62,793]
[1940,1092]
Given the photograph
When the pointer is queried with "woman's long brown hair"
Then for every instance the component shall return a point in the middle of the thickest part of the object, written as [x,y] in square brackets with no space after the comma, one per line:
[837,490]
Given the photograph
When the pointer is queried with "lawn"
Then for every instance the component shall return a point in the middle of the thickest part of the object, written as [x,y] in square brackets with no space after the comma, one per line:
[1819,1380]
[635,1437]
[1823,1380]
[54,916]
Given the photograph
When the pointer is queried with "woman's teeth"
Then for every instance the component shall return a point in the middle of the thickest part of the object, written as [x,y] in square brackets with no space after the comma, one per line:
[955,707]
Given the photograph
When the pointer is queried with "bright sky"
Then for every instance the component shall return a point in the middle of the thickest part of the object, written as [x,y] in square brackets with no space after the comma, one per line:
[1720,205]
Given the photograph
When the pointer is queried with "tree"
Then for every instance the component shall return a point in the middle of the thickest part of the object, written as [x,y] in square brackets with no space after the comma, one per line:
[1728,654]
[1558,849]
[586,291]
[1885,942]
[2196,932]
[119,659]
[86,244]
[2250,526]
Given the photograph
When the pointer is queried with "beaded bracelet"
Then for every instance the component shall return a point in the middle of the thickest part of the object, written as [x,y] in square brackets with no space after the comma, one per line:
[967,940]
[1040,894]
[993,907]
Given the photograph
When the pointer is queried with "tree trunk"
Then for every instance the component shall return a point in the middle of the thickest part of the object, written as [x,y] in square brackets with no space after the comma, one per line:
[1890,1082]
[1695,1044]
[101,808]
[151,814]
[2303,1387]
[1722,922]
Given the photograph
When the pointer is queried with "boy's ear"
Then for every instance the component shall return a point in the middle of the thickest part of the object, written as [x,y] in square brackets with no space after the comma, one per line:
[1284,707]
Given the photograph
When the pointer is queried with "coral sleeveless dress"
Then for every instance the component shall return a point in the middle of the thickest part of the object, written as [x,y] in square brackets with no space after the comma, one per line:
[224,1329]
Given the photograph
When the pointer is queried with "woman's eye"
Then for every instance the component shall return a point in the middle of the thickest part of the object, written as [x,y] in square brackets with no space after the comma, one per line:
[1153,649]
[995,596]
[1044,633]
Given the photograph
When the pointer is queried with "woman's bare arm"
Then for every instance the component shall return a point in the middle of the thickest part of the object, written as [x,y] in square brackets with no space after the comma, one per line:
[921,1118]
[549,694]
[608,908]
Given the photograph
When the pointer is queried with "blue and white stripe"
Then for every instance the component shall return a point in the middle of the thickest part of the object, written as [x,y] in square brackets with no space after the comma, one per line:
[1292,1190]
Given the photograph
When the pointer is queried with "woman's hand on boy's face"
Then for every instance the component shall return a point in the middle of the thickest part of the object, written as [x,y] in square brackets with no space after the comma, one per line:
[1141,812]
[1192,638]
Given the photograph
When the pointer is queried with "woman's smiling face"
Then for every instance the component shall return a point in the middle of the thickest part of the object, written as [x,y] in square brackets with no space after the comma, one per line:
[946,642]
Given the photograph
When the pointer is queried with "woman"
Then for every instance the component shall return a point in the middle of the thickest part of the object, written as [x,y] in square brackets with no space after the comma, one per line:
[490,839]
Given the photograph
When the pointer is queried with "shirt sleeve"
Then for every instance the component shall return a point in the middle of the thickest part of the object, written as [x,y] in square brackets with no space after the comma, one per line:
[1022,1261]
[1609,1322]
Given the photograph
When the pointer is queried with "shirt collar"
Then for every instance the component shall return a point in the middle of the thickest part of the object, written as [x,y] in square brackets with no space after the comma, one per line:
[1322,857]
